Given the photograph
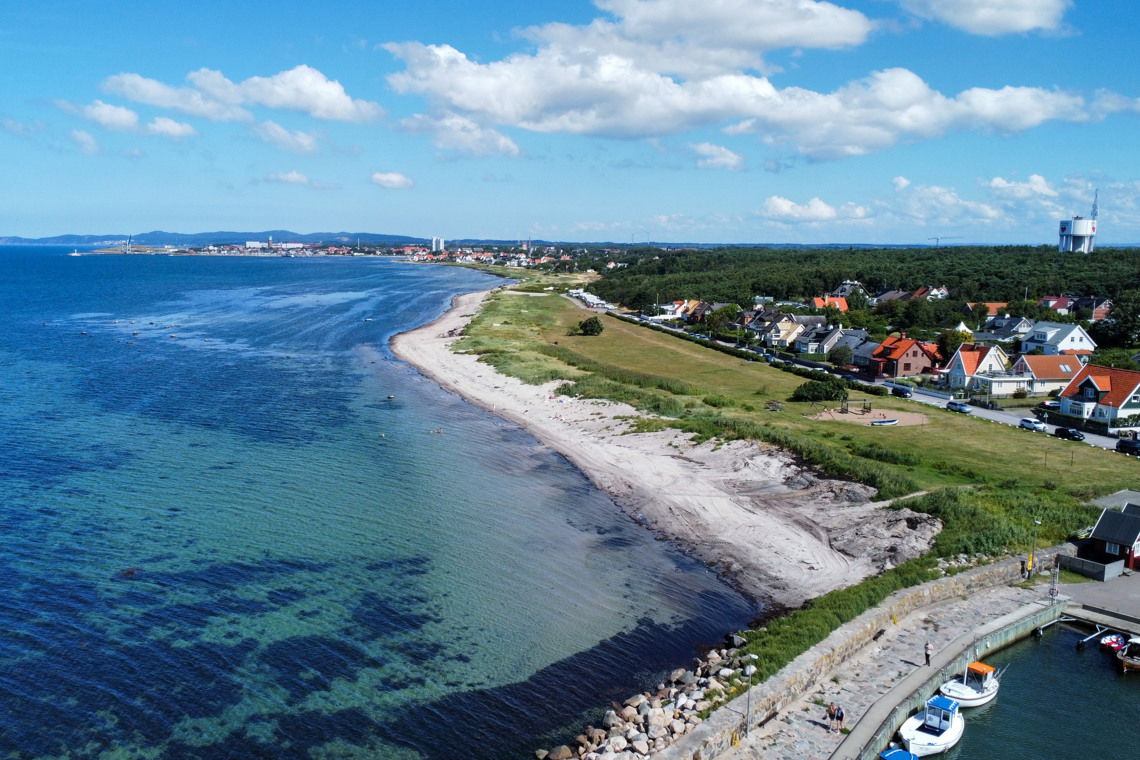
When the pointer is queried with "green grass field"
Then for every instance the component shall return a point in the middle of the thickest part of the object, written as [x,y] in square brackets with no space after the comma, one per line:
[987,482]
[1013,476]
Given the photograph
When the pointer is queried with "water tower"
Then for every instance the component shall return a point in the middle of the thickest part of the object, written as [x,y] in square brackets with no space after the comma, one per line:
[1078,235]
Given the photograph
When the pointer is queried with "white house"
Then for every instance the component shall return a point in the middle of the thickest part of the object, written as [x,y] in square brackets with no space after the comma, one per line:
[1104,394]
[1055,338]
[971,360]
[1047,373]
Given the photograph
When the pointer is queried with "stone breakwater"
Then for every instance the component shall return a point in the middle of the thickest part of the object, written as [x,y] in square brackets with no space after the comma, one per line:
[649,722]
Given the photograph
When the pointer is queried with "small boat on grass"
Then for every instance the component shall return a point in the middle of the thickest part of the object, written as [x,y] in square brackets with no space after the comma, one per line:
[936,728]
[1130,660]
[884,422]
[977,685]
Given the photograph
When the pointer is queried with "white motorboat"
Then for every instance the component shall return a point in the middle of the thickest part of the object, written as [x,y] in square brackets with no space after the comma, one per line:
[976,686]
[936,728]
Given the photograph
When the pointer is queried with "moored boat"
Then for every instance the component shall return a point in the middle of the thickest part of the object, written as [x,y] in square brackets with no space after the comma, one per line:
[977,685]
[936,728]
[1129,660]
[884,422]
[1113,641]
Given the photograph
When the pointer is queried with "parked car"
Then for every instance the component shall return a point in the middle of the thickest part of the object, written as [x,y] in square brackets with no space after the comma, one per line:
[1069,434]
[1049,406]
[1128,446]
[958,406]
[902,392]
[1031,424]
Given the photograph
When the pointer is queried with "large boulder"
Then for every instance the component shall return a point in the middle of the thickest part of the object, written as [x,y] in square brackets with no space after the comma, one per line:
[561,752]
[641,747]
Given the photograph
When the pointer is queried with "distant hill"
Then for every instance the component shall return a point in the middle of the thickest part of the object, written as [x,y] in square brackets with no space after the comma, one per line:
[197,239]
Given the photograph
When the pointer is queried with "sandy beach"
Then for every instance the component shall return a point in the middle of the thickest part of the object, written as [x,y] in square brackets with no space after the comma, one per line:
[778,531]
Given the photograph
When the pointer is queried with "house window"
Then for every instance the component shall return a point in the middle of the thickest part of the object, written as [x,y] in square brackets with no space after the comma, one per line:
[1111,548]
[1100,412]
[1065,367]
[1136,398]
[1089,393]
[906,366]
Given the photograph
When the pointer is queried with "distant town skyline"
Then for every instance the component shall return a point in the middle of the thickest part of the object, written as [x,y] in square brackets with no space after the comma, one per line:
[783,121]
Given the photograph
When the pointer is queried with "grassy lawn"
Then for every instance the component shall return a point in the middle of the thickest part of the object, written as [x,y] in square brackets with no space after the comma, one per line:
[987,482]
[1015,475]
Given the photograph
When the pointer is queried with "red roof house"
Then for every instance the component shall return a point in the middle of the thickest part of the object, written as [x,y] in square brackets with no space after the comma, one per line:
[900,356]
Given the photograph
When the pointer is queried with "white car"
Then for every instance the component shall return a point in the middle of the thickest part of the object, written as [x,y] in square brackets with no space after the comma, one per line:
[1031,424]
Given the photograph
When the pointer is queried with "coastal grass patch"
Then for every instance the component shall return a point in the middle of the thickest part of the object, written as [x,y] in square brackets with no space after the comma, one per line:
[781,640]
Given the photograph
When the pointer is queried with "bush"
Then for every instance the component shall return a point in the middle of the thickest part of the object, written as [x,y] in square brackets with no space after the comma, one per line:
[820,390]
[591,326]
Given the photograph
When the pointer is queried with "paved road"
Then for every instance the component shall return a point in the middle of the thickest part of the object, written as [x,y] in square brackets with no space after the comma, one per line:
[1012,417]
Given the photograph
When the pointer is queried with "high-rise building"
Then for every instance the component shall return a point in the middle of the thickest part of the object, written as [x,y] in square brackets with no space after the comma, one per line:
[437,244]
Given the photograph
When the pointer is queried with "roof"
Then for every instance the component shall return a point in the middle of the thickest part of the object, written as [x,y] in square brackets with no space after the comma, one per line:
[1051,367]
[1116,385]
[894,348]
[942,703]
[1117,527]
[993,308]
[972,355]
[837,302]
[981,668]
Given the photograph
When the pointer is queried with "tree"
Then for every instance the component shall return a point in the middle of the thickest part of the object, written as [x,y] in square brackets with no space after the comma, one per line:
[841,355]
[720,319]
[950,341]
[590,326]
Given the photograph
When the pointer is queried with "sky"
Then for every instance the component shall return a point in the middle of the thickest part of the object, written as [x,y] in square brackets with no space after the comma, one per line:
[719,121]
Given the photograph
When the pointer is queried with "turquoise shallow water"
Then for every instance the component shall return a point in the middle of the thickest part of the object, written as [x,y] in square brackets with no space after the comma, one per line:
[224,539]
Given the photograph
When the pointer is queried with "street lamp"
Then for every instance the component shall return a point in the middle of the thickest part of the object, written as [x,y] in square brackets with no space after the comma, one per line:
[749,670]
[1033,549]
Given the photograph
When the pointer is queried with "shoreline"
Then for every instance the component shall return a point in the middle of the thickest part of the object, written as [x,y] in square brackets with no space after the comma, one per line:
[772,528]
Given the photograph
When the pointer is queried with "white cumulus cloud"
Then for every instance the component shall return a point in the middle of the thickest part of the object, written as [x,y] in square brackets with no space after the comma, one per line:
[293,177]
[452,131]
[1036,187]
[716,156]
[900,183]
[992,17]
[212,96]
[392,180]
[167,127]
[110,116]
[141,89]
[275,134]
[85,141]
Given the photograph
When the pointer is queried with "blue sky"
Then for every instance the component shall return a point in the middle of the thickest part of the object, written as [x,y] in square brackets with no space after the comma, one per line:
[871,121]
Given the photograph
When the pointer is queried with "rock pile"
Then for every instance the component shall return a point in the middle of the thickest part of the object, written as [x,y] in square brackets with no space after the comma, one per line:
[648,722]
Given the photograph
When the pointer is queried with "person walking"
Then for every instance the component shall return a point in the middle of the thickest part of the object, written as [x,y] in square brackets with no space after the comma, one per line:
[929,649]
[839,716]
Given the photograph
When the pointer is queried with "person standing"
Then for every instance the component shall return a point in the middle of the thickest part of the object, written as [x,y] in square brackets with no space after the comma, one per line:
[839,716]
[929,649]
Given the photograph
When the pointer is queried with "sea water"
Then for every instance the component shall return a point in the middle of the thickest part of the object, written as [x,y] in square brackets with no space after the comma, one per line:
[234,526]
[1055,701]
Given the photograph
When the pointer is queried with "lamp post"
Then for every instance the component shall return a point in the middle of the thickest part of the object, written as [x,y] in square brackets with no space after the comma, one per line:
[1033,549]
[749,670]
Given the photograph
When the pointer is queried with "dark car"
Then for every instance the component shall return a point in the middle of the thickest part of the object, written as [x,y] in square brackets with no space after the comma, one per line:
[902,392]
[1128,446]
[1069,434]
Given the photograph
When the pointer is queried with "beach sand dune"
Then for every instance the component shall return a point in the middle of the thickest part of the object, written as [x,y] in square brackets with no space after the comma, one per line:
[775,529]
